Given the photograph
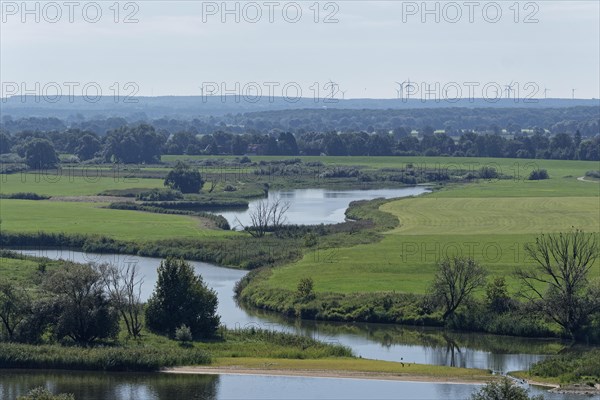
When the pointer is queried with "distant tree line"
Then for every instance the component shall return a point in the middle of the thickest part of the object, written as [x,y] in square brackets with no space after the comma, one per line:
[585,119]
[144,144]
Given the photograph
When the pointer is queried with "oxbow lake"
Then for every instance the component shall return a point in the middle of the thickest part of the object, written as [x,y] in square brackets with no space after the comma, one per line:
[316,206]
[375,341]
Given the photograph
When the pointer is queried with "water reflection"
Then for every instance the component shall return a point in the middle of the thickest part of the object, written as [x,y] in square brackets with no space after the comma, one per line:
[132,386]
[376,341]
[318,206]
[423,345]
[104,386]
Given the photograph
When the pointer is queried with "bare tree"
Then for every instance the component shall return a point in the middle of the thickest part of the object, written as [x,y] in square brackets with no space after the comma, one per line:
[265,216]
[559,278]
[455,280]
[213,185]
[125,289]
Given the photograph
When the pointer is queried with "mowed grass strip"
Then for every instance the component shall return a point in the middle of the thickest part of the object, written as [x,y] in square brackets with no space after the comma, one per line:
[466,216]
[91,218]
[567,186]
[62,184]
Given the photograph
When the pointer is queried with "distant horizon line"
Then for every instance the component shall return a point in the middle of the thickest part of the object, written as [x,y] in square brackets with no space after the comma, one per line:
[450,100]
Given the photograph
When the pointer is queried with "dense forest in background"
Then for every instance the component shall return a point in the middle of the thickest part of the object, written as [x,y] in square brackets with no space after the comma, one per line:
[584,119]
[545,133]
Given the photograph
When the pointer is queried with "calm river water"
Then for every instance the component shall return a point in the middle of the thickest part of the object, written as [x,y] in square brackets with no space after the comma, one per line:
[130,386]
[316,206]
[376,341]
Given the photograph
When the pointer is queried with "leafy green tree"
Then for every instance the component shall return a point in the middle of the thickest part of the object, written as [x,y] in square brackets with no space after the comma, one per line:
[505,389]
[85,313]
[380,145]
[87,147]
[40,154]
[559,280]
[238,145]
[184,178]
[181,298]
[140,144]
[15,305]
[456,279]
[287,144]
[334,146]
[5,143]
[496,294]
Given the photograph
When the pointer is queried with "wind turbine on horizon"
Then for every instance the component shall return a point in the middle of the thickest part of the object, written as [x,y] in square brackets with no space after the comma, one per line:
[402,85]
[573,94]
[546,90]
[333,88]
[509,88]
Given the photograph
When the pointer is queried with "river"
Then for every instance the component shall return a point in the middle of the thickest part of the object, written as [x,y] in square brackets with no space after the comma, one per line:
[376,341]
[135,386]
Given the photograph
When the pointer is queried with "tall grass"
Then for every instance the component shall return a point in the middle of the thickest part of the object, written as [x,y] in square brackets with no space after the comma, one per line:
[121,358]
[571,367]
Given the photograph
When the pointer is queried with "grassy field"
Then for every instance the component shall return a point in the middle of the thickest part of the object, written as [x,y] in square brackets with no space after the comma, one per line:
[91,218]
[17,271]
[53,184]
[498,215]
[490,221]
[508,166]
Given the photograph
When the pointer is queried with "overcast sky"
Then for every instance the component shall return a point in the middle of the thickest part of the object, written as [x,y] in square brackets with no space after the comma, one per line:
[175,47]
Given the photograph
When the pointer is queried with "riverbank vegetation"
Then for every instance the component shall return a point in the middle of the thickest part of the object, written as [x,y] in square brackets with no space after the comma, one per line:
[577,366]
[386,281]
[61,315]
[377,267]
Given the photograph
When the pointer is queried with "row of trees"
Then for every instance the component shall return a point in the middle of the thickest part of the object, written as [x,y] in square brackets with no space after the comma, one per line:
[144,145]
[369,118]
[85,303]
[557,286]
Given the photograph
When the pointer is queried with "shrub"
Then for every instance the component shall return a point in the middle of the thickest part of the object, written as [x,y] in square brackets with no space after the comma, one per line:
[160,195]
[184,178]
[183,334]
[505,389]
[488,172]
[593,174]
[24,196]
[305,288]
[538,175]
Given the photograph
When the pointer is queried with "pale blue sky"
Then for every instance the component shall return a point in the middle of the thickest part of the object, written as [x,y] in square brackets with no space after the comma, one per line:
[171,50]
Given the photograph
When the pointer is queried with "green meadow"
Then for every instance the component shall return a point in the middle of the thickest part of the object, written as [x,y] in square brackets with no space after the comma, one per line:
[490,221]
[93,218]
[496,215]
[63,184]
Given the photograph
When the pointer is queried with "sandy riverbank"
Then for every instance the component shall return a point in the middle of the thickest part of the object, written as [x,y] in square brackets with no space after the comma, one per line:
[320,374]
